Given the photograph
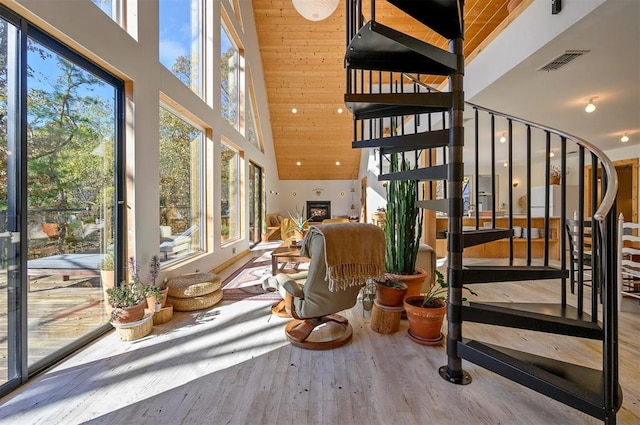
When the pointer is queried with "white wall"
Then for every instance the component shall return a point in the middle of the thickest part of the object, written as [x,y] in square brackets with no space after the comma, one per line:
[296,193]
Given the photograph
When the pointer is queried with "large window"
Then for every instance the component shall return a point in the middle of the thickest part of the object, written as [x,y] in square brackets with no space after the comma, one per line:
[229,78]
[230,194]
[180,187]
[252,127]
[181,40]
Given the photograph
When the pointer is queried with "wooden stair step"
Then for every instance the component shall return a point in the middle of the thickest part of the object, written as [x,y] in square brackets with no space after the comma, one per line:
[577,386]
[541,317]
[377,47]
[489,273]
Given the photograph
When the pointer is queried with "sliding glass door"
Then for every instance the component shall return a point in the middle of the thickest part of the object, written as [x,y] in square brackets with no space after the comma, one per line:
[10,347]
[60,143]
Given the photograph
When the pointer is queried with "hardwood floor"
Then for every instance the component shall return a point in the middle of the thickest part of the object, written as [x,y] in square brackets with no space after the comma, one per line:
[231,364]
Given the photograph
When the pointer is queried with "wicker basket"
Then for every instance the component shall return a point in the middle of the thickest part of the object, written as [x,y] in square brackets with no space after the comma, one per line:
[135,330]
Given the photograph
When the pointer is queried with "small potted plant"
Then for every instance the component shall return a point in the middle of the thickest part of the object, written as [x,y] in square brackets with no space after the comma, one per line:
[127,300]
[391,291]
[426,312]
[299,224]
[555,173]
[156,294]
[107,270]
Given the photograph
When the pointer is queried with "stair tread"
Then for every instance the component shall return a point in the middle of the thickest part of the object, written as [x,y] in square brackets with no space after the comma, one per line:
[577,386]
[499,273]
[377,47]
[399,143]
[377,105]
[541,317]
[442,16]
[481,236]
[437,172]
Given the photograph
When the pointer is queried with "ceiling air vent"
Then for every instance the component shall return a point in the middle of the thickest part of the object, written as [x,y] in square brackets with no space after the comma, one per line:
[563,59]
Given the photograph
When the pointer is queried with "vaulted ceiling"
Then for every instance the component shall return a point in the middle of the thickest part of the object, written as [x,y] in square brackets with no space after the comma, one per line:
[303,64]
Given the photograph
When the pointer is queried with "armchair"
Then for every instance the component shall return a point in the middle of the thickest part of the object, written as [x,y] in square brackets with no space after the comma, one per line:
[343,256]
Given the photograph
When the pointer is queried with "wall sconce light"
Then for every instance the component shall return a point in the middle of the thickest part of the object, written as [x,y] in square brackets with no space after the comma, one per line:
[315,10]
[624,138]
[318,191]
[551,154]
[515,183]
[503,138]
[591,106]
[506,164]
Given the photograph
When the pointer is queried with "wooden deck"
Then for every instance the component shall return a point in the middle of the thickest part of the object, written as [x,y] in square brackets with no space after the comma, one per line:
[232,364]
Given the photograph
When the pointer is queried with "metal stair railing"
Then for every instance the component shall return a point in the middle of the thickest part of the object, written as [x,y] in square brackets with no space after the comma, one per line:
[540,143]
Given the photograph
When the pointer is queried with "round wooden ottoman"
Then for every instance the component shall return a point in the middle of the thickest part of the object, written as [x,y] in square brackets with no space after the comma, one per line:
[194,291]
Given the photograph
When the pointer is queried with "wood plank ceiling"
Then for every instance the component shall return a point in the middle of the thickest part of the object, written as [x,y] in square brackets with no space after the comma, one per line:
[303,64]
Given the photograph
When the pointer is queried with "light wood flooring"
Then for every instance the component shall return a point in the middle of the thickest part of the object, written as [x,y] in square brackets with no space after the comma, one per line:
[231,364]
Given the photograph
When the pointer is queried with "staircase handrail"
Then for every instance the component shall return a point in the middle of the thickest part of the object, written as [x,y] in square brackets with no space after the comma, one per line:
[609,197]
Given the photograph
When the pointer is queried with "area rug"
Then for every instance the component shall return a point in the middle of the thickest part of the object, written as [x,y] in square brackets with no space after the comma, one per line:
[246,282]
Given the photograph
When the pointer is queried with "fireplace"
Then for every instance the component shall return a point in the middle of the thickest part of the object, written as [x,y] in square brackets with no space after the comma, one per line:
[318,211]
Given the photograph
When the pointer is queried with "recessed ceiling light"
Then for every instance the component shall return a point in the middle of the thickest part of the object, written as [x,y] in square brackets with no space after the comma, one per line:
[506,164]
[294,111]
[298,163]
[624,138]
[337,162]
[551,154]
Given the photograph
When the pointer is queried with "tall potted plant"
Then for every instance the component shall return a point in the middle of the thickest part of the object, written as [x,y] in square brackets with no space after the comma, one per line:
[403,228]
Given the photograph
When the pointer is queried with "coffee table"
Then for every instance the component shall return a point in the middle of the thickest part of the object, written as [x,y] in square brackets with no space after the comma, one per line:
[286,254]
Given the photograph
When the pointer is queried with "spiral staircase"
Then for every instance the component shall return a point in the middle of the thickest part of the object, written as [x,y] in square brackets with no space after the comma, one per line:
[396,113]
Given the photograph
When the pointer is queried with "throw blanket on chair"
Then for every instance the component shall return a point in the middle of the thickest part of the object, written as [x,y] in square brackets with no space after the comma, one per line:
[354,252]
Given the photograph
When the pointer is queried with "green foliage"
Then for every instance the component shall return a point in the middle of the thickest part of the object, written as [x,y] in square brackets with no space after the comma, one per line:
[439,291]
[299,220]
[392,282]
[107,263]
[403,223]
[127,294]
[152,291]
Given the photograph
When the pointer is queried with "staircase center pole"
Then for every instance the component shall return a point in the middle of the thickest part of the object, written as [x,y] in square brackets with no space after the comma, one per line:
[453,371]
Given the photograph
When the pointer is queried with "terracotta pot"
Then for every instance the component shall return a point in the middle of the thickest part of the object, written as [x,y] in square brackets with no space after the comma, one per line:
[414,282]
[131,314]
[425,323]
[554,180]
[151,301]
[107,277]
[164,292]
[390,297]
